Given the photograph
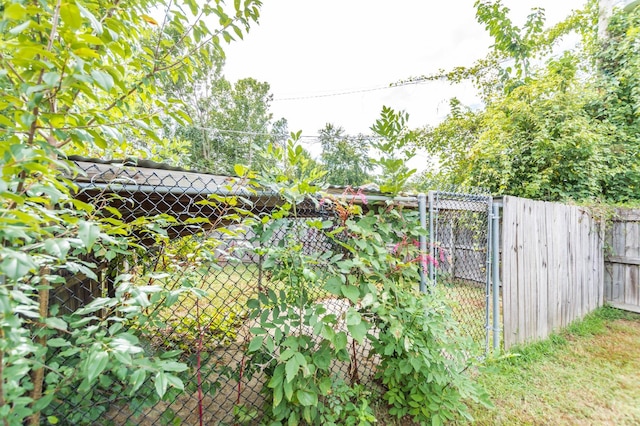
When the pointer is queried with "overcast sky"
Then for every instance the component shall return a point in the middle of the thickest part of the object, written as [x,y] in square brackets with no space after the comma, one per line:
[314,49]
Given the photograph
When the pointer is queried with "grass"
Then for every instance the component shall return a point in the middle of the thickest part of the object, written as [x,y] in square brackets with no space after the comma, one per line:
[469,308]
[587,374]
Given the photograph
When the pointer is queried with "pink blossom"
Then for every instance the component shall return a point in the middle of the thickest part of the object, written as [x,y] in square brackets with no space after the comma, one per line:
[426,260]
[362,197]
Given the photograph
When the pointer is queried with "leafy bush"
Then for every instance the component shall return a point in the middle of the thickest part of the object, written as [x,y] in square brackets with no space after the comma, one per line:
[374,267]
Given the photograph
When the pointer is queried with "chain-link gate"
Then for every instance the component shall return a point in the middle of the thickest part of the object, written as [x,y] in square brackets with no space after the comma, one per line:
[460,249]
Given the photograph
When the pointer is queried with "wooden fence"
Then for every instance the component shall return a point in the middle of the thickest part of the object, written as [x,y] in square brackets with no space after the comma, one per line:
[553,267]
[622,261]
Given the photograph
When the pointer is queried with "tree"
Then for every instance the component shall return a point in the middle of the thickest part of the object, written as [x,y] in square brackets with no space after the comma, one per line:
[539,141]
[618,83]
[81,75]
[395,145]
[228,122]
[345,158]
[548,132]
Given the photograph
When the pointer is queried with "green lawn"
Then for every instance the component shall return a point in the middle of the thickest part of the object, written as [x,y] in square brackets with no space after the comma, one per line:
[587,374]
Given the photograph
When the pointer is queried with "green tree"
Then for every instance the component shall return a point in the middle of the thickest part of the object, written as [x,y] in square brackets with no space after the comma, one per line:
[618,84]
[228,122]
[553,131]
[540,141]
[82,75]
[345,158]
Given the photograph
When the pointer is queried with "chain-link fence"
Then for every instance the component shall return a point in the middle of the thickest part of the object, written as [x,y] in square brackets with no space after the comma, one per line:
[460,241]
[205,247]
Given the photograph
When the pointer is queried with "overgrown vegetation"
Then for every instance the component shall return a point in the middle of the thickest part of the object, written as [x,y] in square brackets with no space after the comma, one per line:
[374,267]
[86,76]
[553,127]
[82,76]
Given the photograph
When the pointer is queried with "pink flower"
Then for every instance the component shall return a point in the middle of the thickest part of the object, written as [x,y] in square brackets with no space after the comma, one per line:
[426,260]
[395,248]
[362,197]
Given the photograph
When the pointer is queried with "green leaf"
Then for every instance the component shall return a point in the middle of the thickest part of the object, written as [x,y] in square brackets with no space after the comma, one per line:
[334,284]
[53,420]
[57,247]
[436,420]
[358,331]
[95,23]
[16,264]
[240,170]
[14,11]
[70,15]
[307,398]
[173,366]
[88,233]
[57,323]
[122,357]
[57,342]
[161,383]
[137,379]
[95,364]
[255,344]
[351,292]
[291,368]
[353,317]
[20,28]
[340,340]
[322,358]
[103,79]
[175,381]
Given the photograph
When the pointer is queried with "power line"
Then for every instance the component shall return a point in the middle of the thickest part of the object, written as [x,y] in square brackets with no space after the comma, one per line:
[249,133]
[351,91]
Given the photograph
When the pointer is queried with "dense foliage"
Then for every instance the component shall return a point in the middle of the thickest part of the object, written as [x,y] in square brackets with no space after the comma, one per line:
[229,123]
[345,158]
[373,268]
[82,76]
[552,127]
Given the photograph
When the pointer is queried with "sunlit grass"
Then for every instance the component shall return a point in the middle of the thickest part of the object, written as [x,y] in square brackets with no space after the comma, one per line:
[586,374]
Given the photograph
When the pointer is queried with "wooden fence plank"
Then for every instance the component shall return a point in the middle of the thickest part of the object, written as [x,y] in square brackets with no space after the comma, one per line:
[624,260]
[622,263]
[618,249]
[552,267]
[631,244]
[543,275]
[522,274]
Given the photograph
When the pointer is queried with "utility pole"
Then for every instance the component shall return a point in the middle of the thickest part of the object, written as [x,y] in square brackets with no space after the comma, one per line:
[605,12]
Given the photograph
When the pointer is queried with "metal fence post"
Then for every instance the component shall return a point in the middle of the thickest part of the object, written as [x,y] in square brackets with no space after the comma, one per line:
[422,207]
[488,272]
[495,273]
[432,239]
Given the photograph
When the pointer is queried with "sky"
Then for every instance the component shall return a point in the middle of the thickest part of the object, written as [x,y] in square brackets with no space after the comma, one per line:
[309,51]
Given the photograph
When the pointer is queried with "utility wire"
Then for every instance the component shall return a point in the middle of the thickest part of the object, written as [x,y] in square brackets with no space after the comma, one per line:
[351,91]
[243,132]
